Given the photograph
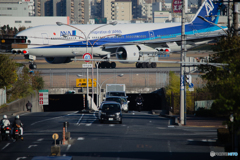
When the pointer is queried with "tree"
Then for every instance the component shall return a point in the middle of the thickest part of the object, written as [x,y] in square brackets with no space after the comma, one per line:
[8,74]
[224,82]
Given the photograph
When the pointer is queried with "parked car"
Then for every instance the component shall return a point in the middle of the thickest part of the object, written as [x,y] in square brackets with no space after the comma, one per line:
[110,111]
[122,100]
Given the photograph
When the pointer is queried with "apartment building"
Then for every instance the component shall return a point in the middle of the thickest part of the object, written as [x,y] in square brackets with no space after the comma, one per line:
[117,9]
[76,10]
[17,8]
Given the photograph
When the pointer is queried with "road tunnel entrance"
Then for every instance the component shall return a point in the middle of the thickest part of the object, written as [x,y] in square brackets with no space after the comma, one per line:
[152,101]
[74,102]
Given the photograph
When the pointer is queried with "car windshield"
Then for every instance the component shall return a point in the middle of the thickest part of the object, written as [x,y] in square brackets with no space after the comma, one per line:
[114,99]
[110,107]
[116,94]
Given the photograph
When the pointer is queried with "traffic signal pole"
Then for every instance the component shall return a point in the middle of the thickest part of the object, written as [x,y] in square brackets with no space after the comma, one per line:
[183,55]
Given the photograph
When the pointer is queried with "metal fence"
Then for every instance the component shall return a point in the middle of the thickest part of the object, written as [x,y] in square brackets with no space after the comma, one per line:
[3,96]
[131,78]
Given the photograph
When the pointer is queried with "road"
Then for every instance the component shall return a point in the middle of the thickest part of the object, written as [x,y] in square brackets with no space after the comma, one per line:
[141,136]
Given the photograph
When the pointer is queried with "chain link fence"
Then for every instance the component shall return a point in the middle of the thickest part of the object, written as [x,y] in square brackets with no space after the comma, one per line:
[131,78]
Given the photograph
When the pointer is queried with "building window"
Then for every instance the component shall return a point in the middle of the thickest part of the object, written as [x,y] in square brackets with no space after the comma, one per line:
[18,21]
[28,22]
[9,8]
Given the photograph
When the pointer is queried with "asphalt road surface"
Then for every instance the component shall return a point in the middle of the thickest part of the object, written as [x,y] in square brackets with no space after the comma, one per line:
[141,136]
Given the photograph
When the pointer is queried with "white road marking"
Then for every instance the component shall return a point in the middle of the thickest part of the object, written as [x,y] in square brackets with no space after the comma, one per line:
[21,158]
[111,125]
[5,146]
[190,139]
[89,124]
[171,126]
[40,139]
[50,119]
[80,138]
[32,146]
[68,147]
[169,147]
[78,123]
[204,140]
[161,128]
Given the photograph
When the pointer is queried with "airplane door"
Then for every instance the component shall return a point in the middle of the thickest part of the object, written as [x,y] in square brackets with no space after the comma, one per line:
[151,34]
[45,38]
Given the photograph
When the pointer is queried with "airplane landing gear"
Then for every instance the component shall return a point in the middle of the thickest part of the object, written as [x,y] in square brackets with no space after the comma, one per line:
[106,65]
[146,65]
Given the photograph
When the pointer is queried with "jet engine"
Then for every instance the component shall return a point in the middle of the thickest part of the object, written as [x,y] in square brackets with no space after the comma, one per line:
[58,60]
[130,52]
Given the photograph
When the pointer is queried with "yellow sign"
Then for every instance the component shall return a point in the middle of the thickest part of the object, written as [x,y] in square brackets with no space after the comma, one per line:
[3,41]
[82,82]
[55,136]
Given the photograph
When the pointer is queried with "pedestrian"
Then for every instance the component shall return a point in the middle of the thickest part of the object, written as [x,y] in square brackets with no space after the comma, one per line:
[29,106]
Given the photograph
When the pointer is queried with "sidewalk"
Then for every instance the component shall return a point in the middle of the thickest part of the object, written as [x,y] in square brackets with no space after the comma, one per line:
[11,114]
[193,121]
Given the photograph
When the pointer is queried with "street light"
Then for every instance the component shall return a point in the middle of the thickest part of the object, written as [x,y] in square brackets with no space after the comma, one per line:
[202,18]
[120,75]
[87,41]
[118,35]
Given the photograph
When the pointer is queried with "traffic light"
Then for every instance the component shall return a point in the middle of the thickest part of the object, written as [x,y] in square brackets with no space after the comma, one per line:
[188,79]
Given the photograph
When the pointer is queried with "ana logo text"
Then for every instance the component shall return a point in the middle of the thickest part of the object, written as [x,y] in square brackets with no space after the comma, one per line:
[209,6]
[68,33]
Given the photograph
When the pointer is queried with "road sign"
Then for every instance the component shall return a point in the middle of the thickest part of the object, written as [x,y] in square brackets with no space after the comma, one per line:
[82,82]
[87,56]
[86,65]
[190,89]
[55,136]
[191,85]
[177,6]
[43,97]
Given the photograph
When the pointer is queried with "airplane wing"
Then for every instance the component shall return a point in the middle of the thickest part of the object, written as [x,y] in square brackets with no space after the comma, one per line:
[191,39]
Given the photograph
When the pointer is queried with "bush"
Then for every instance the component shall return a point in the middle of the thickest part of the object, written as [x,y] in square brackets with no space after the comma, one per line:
[223,135]
[202,112]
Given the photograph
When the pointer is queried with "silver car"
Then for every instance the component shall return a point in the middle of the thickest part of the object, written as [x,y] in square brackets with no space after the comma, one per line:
[122,100]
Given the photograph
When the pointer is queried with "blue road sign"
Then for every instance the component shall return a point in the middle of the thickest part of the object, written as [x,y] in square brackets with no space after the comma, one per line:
[191,85]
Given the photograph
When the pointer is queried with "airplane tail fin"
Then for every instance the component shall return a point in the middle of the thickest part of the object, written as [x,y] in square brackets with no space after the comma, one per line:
[210,10]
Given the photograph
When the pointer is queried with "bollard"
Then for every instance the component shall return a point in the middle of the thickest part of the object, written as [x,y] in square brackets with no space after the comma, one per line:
[84,102]
[55,151]
[64,140]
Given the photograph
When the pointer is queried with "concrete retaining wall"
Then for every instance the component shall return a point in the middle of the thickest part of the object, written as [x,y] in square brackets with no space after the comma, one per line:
[20,104]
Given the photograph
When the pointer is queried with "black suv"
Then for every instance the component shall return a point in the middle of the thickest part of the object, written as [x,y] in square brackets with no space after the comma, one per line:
[110,111]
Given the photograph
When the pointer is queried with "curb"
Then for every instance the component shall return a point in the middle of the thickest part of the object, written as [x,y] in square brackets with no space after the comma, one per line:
[20,112]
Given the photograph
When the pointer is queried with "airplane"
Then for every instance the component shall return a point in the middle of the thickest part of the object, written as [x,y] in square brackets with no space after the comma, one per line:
[142,42]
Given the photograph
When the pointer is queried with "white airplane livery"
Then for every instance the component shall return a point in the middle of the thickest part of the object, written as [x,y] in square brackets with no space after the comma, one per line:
[129,42]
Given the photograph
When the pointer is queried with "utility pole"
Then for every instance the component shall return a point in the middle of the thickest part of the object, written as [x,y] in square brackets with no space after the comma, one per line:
[228,15]
[235,18]
[183,52]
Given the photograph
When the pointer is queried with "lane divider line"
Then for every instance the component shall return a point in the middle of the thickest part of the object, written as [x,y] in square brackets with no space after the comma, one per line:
[5,146]
[51,118]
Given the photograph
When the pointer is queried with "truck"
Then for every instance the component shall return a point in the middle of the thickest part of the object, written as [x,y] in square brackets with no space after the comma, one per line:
[115,90]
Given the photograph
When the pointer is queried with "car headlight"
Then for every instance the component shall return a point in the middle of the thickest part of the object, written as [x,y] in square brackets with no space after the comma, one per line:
[118,113]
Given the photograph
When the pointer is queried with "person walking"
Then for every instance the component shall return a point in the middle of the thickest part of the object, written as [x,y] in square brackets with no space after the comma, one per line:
[29,106]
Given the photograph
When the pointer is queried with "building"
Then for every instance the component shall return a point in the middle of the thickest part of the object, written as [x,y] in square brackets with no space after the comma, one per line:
[76,10]
[123,10]
[117,9]
[161,16]
[17,8]
[31,21]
